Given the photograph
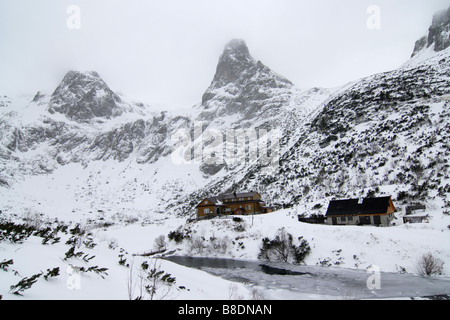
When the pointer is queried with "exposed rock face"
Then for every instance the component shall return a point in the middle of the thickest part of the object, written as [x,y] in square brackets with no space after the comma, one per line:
[84,96]
[38,97]
[243,86]
[438,33]
[235,65]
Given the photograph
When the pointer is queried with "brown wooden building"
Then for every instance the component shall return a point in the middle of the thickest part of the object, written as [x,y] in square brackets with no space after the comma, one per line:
[232,204]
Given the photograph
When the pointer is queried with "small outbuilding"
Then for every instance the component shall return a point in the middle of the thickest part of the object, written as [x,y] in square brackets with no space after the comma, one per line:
[363,211]
[415,218]
[411,215]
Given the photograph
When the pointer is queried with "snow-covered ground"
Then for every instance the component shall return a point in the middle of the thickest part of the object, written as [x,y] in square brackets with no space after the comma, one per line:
[392,249]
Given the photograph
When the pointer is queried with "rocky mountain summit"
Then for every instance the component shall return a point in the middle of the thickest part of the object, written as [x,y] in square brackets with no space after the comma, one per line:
[244,86]
[438,33]
[386,133]
[84,96]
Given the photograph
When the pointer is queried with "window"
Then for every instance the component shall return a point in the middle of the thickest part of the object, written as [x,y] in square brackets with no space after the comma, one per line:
[248,207]
[206,211]
[227,209]
[343,219]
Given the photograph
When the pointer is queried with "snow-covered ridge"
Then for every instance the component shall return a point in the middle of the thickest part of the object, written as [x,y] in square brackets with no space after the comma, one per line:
[438,36]
[86,154]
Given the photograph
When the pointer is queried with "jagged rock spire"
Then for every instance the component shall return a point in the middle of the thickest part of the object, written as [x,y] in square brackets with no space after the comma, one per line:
[242,84]
[234,61]
[438,33]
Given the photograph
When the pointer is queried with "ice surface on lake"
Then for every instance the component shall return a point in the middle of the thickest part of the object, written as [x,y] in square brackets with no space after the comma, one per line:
[309,282]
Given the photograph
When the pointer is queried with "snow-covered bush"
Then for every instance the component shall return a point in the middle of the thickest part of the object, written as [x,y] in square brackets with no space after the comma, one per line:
[160,243]
[5,264]
[24,284]
[219,245]
[239,227]
[15,233]
[122,258]
[282,248]
[176,236]
[179,235]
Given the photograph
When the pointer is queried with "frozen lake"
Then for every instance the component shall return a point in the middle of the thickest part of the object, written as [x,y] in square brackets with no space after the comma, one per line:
[287,281]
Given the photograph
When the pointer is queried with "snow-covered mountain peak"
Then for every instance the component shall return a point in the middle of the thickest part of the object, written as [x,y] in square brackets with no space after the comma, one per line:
[441,17]
[237,46]
[234,63]
[438,34]
[83,96]
[243,86]
[77,83]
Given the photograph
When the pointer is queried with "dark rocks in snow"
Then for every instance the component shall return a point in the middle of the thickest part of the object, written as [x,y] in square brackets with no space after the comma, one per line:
[38,97]
[84,96]
[438,33]
[243,86]
[211,169]
[233,64]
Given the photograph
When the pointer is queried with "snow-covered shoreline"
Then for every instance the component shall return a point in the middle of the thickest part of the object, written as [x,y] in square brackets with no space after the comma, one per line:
[393,249]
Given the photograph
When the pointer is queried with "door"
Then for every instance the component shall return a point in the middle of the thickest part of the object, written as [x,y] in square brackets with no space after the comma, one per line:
[364,220]
[377,220]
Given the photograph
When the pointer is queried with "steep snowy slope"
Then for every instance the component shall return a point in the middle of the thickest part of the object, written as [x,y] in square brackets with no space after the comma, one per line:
[389,129]
[84,122]
[387,133]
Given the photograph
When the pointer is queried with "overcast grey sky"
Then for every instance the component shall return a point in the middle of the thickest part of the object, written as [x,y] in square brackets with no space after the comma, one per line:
[167,50]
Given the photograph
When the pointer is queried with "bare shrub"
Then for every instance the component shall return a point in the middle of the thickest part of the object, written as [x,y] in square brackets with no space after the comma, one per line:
[196,244]
[428,265]
[233,293]
[160,243]
[255,294]
[151,283]
[33,219]
[219,245]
